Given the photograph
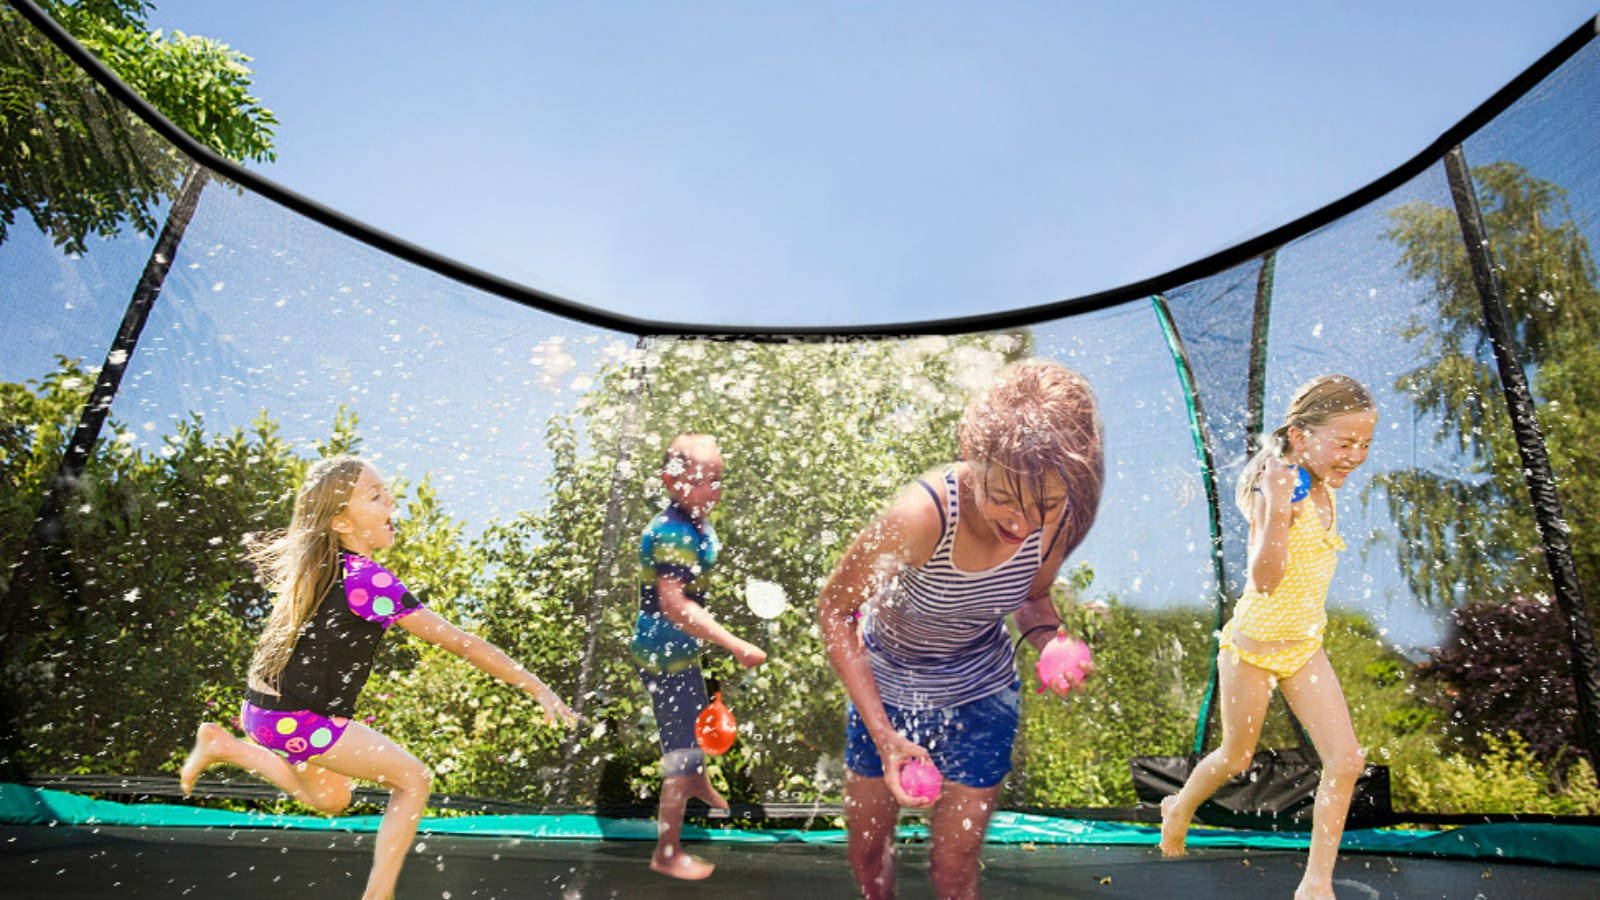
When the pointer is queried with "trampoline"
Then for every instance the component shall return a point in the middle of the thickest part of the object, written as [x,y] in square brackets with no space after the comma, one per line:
[83,862]
[172,358]
[79,847]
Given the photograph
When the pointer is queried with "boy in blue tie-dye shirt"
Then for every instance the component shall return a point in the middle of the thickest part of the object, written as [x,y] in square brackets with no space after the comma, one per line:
[676,553]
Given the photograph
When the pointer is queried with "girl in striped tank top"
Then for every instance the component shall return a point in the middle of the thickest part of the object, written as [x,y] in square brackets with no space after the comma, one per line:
[1274,639]
[929,669]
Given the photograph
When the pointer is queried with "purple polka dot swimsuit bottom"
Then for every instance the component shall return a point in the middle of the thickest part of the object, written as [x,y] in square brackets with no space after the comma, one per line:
[296,736]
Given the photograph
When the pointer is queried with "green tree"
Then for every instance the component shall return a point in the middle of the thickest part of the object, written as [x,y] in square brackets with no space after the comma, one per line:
[1468,533]
[78,163]
[166,613]
[817,437]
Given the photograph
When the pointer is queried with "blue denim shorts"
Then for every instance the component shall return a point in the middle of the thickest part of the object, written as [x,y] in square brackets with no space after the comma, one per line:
[970,743]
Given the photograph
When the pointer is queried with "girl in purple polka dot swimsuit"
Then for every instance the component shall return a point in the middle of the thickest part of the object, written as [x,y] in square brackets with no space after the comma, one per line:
[333,605]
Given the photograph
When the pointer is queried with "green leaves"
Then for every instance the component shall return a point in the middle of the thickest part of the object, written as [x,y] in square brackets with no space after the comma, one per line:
[1468,533]
[91,169]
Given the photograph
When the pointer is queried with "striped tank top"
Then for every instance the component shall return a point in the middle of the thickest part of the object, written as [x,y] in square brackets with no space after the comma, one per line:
[936,634]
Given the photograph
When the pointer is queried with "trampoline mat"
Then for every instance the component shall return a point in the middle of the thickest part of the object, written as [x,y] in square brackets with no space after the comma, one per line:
[69,862]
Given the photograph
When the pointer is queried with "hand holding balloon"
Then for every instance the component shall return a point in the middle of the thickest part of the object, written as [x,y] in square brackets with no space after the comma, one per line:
[1302,479]
[1063,665]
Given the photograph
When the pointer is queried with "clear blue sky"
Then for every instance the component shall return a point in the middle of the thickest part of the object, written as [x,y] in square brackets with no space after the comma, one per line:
[854,162]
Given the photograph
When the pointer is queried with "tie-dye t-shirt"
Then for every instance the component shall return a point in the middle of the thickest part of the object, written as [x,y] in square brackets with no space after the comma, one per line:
[672,546]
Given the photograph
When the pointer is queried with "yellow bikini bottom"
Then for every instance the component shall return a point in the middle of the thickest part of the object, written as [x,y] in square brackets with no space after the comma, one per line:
[1280,663]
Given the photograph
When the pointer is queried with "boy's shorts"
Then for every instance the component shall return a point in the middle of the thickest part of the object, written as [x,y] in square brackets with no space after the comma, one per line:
[678,698]
[970,744]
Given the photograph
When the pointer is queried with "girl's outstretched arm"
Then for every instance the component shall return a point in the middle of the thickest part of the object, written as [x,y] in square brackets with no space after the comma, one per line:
[905,534]
[431,627]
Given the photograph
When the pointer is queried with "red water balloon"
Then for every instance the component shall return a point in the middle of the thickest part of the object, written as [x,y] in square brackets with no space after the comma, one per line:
[715,728]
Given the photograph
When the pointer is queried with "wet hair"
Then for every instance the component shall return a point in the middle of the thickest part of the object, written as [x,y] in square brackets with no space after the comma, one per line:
[1313,405]
[300,563]
[1036,424]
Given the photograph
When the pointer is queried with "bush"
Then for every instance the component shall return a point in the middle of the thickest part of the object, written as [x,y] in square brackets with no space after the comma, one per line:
[1150,671]
[1499,675]
[1508,777]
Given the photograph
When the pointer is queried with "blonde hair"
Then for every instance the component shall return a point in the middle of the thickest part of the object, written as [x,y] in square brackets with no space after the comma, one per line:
[1039,421]
[1313,405]
[300,563]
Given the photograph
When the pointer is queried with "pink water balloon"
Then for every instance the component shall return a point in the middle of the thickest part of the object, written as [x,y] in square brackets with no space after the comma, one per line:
[920,779]
[1063,665]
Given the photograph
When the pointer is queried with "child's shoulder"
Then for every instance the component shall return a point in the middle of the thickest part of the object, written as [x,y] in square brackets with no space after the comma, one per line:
[669,524]
[920,505]
[374,593]
[360,571]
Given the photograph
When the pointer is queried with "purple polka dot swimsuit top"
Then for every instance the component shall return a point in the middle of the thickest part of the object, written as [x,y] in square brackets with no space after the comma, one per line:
[333,653]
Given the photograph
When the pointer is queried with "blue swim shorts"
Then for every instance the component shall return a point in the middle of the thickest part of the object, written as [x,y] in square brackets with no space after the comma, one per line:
[970,743]
[678,697]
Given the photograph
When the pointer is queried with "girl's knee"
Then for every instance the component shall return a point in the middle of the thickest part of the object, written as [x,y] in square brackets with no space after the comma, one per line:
[954,873]
[423,780]
[1237,762]
[870,850]
[212,731]
[1346,762]
[332,800]
[415,778]
[955,852]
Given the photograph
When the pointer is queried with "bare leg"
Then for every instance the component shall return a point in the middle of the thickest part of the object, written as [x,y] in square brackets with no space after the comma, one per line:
[960,820]
[1318,701]
[363,753]
[325,785]
[309,783]
[669,857]
[870,814]
[1245,690]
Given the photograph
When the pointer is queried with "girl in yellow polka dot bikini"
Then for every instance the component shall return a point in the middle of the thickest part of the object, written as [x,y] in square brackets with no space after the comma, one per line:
[1274,639]
[334,605]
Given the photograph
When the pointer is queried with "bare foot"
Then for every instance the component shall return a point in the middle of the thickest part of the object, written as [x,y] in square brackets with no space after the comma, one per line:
[709,794]
[1307,890]
[206,739]
[1173,832]
[673,862]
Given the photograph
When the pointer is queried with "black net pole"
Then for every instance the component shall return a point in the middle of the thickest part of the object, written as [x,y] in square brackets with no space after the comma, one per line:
[48,525]
[1535,460]
[1255,401]
[605,567]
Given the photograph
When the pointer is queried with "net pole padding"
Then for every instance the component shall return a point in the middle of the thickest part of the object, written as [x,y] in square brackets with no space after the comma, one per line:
[1256,416]
[1535,458]
[47,524]
[605,563]
[1208,475]
[1260,322]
